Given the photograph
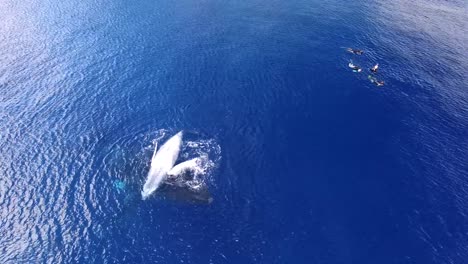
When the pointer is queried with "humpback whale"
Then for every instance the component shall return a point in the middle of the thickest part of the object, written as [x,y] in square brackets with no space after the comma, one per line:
[161,163]
[186,166]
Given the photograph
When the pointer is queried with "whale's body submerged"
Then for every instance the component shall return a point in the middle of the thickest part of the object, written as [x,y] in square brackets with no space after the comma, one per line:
[161,163]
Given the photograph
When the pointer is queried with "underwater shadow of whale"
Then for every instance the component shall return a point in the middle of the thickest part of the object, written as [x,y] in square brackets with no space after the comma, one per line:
[185,194]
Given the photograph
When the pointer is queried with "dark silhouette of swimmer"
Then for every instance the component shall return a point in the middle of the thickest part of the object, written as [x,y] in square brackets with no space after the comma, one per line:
[355,51]
[374,80]
[375,68]
[355,68]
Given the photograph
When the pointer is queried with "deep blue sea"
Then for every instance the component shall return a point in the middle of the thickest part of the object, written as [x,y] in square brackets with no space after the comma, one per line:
[309,162]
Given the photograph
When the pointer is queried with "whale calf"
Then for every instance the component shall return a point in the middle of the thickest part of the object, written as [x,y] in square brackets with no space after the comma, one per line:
[161,163]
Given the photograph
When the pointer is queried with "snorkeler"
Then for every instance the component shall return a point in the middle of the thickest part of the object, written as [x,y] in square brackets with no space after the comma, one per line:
[374,80]
[355,51]
[354,67]
[375,68]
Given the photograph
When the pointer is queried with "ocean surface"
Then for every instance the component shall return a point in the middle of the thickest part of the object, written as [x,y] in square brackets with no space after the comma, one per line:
[308,162]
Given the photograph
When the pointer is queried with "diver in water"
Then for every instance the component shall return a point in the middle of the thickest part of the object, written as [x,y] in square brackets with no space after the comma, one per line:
[355,68]
[374,80]
[355,51]
[375,68]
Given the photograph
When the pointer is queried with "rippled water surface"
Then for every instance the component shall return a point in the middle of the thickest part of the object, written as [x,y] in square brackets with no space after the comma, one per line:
[309,162]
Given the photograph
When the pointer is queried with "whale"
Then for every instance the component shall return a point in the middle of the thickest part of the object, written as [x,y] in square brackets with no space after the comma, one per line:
[184,167]
[162,162]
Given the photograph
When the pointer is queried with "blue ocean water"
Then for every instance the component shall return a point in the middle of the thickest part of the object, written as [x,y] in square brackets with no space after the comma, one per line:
[312,163]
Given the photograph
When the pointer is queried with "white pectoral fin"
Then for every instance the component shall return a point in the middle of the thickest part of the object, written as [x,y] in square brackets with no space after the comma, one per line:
[155,150]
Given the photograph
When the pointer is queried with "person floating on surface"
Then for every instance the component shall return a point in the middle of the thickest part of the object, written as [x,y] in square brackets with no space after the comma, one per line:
[354,67]
[374,80]
[355,51]
[375,68]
